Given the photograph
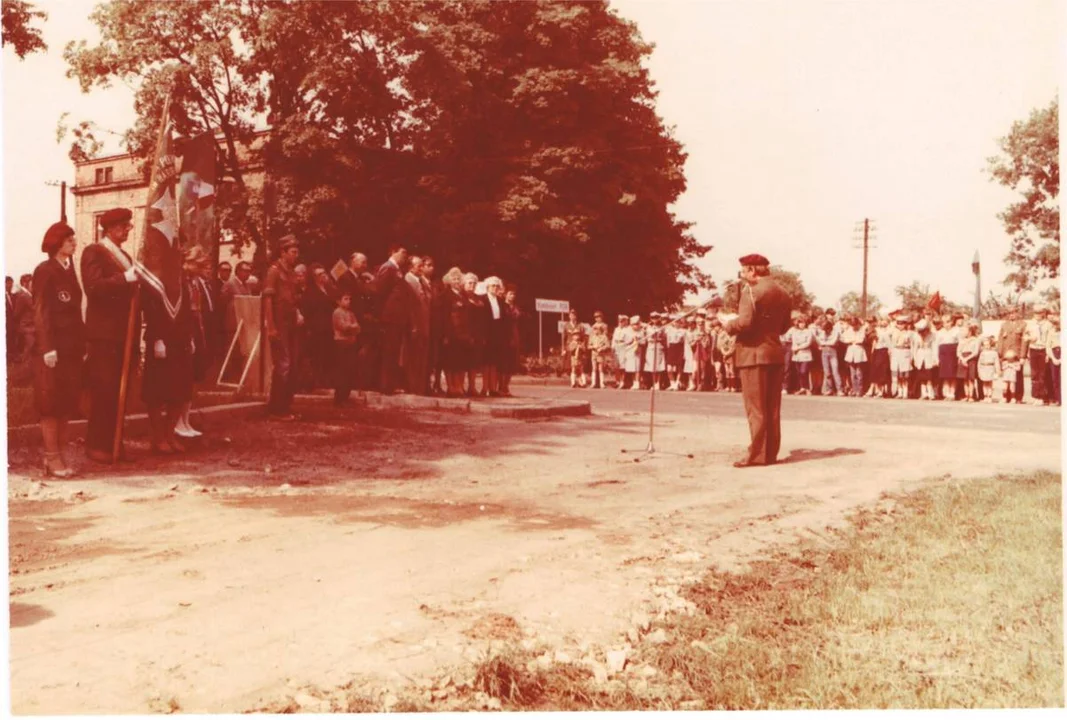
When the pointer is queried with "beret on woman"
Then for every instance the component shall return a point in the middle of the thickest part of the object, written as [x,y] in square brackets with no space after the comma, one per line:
[54,237]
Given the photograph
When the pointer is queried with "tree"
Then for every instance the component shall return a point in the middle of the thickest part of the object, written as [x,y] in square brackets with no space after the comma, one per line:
[194,52]
[17,30]
[789,281]
[915,298]
[1030,165]
[851,303]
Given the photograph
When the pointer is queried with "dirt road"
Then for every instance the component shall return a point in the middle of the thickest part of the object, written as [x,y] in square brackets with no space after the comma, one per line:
[380,547]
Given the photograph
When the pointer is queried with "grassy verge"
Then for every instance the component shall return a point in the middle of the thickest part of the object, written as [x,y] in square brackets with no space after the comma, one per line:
[950,597]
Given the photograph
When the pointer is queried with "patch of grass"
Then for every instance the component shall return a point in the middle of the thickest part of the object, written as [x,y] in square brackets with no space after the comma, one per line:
[950,598]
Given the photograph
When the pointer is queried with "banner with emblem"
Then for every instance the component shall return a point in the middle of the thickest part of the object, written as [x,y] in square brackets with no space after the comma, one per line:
[196,195]
[159,261]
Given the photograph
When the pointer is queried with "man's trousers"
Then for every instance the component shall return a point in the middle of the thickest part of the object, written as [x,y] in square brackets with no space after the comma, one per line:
[761,389]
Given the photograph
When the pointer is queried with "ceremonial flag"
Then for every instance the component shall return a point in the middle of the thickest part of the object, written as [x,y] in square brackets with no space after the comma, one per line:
[196,195]
[159,261]
[935,302]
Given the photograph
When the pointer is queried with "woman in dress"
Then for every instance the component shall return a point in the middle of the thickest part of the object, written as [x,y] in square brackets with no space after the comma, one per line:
[618,346]
[168,369]
[675,338]
[656,350]
[900,358]
[630,359]
[692,342]
[880,373]
[59,344]
[197,272]
[456,335]
[948,340]
[513,352]
[988,368]
[496,336]
[478,322]
[802,338]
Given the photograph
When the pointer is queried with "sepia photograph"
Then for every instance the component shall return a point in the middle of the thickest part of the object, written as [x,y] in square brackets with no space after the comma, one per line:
[435,356]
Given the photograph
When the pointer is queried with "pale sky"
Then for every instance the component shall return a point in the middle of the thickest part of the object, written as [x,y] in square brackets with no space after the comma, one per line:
[800,119]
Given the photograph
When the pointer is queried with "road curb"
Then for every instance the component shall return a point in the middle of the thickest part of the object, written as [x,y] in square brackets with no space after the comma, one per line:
[495,407]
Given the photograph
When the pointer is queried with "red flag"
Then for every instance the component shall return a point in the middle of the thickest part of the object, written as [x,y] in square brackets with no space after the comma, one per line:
[934,303]
[160,258]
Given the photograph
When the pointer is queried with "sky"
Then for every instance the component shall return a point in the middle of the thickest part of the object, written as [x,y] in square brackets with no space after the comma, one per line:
[800,117]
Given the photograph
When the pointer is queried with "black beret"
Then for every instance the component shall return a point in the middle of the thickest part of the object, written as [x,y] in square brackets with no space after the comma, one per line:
[54,237]
[754,259]
[115,216]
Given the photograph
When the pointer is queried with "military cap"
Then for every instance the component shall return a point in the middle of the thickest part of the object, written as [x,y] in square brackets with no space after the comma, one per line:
[289,241]
[54,237]
[755,260]
[115,216]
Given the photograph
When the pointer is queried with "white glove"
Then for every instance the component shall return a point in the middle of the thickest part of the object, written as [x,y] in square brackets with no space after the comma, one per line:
[160,349]
[51,358]
[131,274]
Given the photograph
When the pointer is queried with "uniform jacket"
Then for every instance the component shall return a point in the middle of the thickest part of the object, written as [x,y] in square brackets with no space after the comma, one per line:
[109,295]
[762,317]
[419,303]
[57,310]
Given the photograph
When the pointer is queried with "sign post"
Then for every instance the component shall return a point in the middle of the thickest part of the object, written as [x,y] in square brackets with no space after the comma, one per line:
[543,306]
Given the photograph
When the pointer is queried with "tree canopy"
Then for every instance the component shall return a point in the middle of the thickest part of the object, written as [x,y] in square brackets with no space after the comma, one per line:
[788,280]
[915,297]
[18,32]
[518,138]
[851,303]
[1030,165]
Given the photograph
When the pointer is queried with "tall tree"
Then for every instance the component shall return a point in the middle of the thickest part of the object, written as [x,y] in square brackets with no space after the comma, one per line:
[195,51]
[17,16]
[851,303]
[788,280]
[1030,165]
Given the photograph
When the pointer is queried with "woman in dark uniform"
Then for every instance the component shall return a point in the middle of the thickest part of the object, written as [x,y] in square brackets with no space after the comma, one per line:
[511,362]
[59,345]
[168,368]
[456,334]
[478,322]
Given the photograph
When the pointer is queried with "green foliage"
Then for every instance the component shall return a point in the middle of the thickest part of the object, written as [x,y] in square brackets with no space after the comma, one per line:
[1030,165]
[17,30]
[787,279]
[519,138]
[915,297]
[851,303]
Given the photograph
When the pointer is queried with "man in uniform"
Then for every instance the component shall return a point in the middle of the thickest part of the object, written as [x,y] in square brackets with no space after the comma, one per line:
[763,315]
[393,298]
[109,278]
[1010,346]
[282,321]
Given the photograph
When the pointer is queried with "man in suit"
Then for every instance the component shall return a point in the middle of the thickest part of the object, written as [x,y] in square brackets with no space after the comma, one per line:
[22,317]
[394,299]
[763,316]
[360,286]
[109,278]
[417,348]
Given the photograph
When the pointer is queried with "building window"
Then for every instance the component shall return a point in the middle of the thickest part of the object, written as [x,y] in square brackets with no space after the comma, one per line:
[104,175]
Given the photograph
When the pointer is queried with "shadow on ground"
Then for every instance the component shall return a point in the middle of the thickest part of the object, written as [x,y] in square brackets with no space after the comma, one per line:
[806,455]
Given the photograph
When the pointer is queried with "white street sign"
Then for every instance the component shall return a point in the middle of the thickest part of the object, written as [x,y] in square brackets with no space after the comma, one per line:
[553,306]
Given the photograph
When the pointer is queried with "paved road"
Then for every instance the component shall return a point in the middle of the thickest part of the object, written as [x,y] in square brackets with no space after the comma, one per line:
[979,416]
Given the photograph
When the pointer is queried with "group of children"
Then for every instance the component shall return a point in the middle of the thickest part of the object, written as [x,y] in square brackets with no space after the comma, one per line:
[693,353]
[929,357]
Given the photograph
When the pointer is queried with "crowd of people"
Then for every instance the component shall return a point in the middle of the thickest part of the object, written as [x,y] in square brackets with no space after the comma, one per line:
[925,355]
[395,329]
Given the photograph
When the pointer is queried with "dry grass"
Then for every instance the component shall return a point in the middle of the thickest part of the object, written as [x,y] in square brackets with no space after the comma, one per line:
[950,597]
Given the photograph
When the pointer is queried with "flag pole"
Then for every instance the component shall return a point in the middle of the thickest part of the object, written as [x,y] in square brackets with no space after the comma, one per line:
[135,303]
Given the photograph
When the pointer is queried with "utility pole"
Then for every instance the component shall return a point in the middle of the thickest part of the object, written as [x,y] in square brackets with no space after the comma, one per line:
[868,237]
[62,198]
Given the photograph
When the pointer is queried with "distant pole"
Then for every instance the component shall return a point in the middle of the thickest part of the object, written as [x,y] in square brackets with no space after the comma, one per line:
[63,202]
[976,268]
[866,246]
